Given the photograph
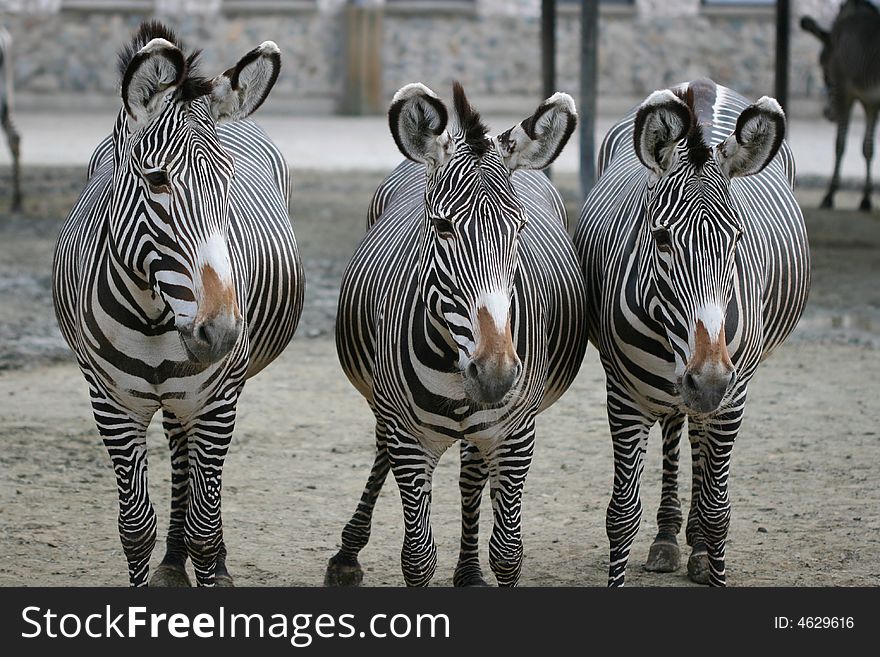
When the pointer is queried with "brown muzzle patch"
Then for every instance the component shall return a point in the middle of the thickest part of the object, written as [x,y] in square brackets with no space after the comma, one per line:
[706,351]
[495,345]
[217,297]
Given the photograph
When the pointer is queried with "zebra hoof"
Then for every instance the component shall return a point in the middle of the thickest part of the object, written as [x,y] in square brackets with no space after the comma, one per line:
[170,576]
[343,571]
[466,577]
[827,203]
[698,567]
[865,205]
[663,557]
[223,581]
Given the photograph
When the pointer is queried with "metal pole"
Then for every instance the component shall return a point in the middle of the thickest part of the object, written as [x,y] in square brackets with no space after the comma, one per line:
[587,109]
[783,16]
[548,51]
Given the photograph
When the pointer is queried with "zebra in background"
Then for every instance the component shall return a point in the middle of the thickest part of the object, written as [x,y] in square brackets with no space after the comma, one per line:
[697,266]
[460,318]
[850,60]
[176,278]
[12,136]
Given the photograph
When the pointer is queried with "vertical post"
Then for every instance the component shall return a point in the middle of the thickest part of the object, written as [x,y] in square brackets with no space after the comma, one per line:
[362,53]
[589,83]
[783,20]
[548,51]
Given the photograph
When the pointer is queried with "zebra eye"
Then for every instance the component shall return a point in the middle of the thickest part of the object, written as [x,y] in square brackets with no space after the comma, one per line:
[443,227]
[156,179]
[662,239]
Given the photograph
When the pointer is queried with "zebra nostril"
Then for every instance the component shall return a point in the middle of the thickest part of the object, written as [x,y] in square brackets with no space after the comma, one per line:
[689,381]
[472,370]
[202,334]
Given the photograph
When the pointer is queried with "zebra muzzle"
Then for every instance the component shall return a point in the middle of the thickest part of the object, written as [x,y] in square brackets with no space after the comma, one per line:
[209,340]
[488,381]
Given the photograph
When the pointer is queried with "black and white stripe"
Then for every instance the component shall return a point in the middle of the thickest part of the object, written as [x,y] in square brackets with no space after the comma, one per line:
[461,317]
[6,119]
[697,266]
[176,278]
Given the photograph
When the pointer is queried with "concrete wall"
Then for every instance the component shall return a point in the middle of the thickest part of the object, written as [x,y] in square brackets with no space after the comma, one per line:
[66,48]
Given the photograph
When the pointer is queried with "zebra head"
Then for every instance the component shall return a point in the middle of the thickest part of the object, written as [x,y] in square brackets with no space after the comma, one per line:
[472,223]
[169,214]
[692,227]
[809,24]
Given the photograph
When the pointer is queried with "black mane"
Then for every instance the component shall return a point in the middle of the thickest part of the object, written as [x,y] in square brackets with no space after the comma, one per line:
[193,85]
[469,119]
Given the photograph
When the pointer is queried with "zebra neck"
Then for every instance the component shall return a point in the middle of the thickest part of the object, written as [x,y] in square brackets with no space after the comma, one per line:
[432,340]
[130,298]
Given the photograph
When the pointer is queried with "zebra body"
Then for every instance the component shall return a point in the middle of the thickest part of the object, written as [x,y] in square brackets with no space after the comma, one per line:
[411,328]
[12,136]
[176,278]
[697,266]
[850,60]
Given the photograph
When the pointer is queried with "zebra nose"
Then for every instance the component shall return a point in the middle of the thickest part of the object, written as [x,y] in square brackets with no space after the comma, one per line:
[489,380]
[703,389]
[211,339]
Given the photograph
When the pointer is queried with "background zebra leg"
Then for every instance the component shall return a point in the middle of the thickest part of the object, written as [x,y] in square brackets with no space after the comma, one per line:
[665,555]
[509,464]
[172,570]
[714,504]
[868,152]
[839,146]
[344,569]
[126,441]
[14,140]
[471,481]
[629,435]
[208,443]
[413,468]
[698,562]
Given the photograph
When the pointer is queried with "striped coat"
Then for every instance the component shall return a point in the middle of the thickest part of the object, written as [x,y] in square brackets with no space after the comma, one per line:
[697,264]
[461,317]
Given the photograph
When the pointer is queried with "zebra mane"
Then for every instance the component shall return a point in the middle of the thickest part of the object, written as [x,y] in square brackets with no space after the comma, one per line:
[470,122]
[193,85]
[699,96]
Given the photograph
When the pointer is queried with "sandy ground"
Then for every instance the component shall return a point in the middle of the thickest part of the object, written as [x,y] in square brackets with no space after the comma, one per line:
[806,504]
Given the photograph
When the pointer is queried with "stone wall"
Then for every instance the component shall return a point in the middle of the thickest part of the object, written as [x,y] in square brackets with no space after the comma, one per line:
[68,47]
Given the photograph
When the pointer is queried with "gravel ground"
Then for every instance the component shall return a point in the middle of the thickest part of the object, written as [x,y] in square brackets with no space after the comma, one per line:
[806,505]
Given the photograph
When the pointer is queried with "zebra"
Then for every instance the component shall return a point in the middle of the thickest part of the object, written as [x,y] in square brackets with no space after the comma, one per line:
[850,60]
[12,136]
[697,266]
[176,278]
[460,318]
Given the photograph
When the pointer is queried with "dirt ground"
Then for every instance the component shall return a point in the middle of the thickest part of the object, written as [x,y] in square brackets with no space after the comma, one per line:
[806,504]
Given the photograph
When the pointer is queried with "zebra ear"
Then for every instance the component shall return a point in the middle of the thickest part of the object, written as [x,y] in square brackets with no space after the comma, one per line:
[535,142]
[153,73]
[661,122]
[759,132]
[417,118]
[238,92]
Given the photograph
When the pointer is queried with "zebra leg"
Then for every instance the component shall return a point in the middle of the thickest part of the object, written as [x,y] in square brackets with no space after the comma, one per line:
[413,467]
[839,146]
[713,508]
[471,481]
[208,442]
[125,438]
[509,461]
[629,436]
[698,562]
[665,555]
[172,570]
[14,140]
[868,152]
[344,569]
